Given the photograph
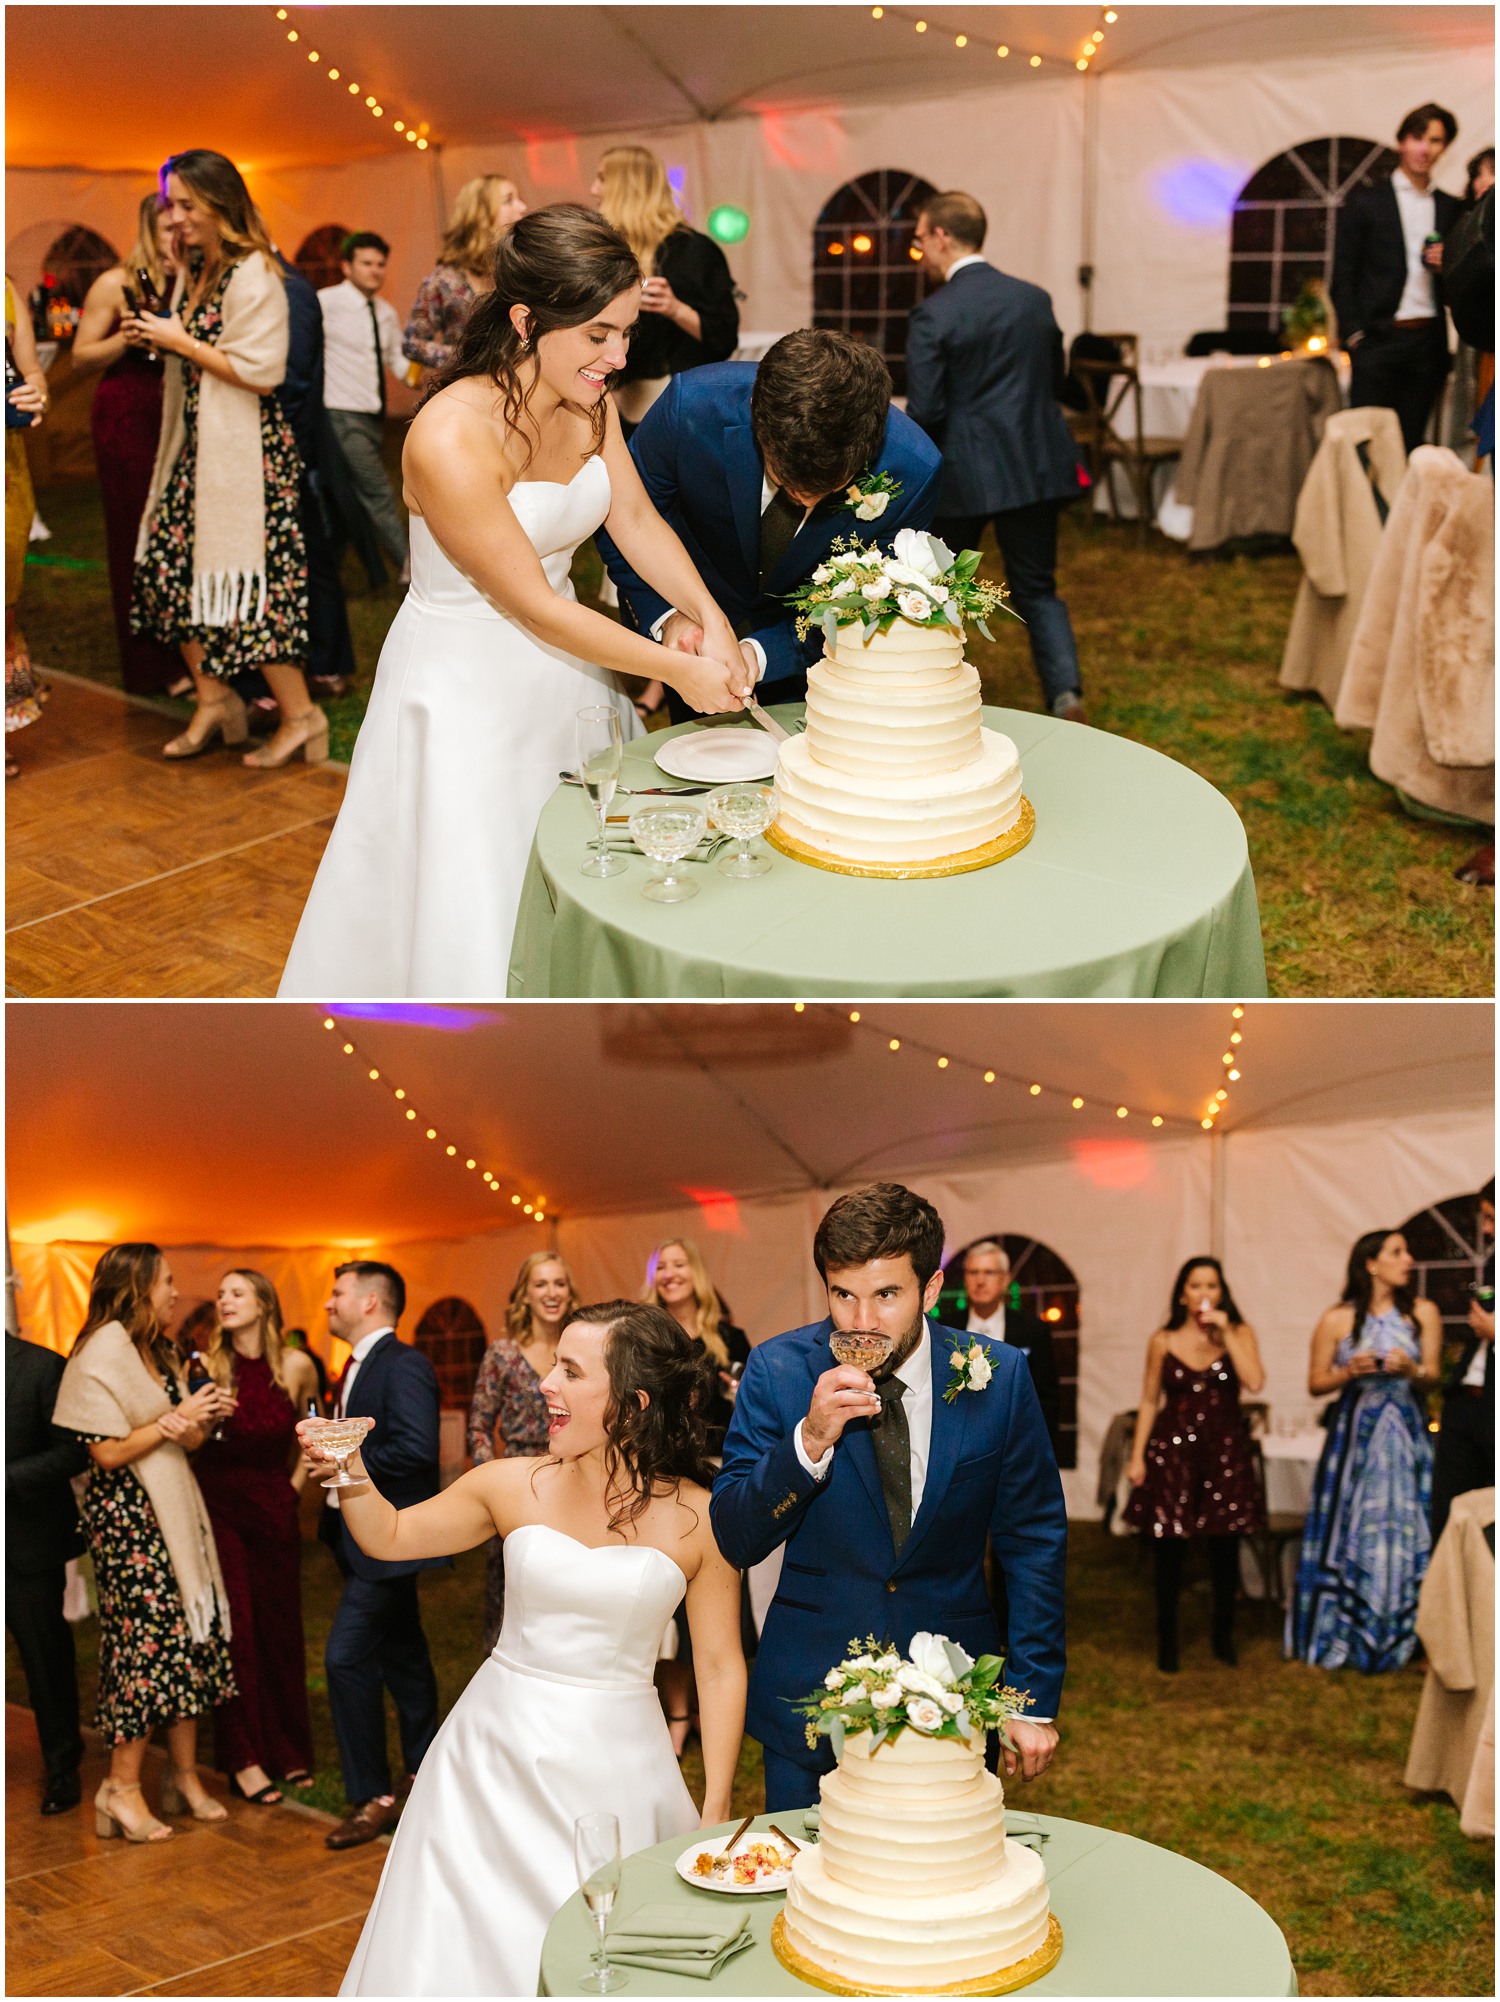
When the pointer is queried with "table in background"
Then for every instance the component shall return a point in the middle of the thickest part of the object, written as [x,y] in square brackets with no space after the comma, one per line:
[1137,881]
[1136,1920]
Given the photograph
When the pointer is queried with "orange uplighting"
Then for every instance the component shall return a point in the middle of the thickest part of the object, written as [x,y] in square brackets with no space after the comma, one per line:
[835,250]
[1053,1314]
[863,244]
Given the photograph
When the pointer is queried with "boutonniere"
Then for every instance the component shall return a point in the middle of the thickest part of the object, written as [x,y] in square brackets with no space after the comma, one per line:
[969,1369]
[871,495]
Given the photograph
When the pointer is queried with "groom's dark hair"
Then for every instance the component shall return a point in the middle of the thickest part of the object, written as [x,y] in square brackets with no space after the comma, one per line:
[818,410]
[881,1221]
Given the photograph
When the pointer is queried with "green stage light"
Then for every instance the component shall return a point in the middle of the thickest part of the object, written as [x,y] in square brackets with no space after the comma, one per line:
[727,224]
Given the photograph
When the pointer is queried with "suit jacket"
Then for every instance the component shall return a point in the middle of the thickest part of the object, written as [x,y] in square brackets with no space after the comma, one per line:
[1032,1338]
[397,1387]
[1454,1385]
[41,1517]
[1369,261]
[990,1472]
[696,454]
[984,364]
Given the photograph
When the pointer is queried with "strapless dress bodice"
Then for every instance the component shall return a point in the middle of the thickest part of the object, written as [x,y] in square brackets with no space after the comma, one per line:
[577,1614]
[556,519]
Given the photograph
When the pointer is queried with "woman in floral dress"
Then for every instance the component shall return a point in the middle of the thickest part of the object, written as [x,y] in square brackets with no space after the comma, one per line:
[163,1613]
[486,207]
[1366,1542]
[221,565]
[508,1417]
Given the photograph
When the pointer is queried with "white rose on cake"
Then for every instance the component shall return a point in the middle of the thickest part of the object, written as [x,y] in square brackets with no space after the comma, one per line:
[887,1664]
[845,589]
[822,574]
[923,1714]
[931,1657]
[918,1683]
[913,605]
[919,552]
[888,1697]
[881,588]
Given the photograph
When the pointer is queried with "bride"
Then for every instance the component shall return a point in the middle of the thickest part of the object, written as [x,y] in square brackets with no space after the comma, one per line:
[513,462]
[602,1540]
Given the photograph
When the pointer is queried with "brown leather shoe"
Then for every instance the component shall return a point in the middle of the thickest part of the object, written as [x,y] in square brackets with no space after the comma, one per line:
[364,1824]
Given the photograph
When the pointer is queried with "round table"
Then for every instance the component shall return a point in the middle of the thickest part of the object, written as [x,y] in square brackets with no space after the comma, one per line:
[1136,1920]
[1137,881]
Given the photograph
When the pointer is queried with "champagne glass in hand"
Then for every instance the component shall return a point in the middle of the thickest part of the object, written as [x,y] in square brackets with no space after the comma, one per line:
[596,1854]
[862,1348]
[599,752]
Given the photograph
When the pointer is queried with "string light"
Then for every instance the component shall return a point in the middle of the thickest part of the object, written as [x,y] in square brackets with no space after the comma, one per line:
[1036,62]
[895,1042]
[961,39]
[413,135]
[1036,1089]
[942,1063]
[853,1014]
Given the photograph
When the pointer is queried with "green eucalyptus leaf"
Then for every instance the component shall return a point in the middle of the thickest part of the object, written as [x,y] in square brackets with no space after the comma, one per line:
[836,1736]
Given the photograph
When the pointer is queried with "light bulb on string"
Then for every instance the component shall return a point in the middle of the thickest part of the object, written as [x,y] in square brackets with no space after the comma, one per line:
[1036,62]
[1122,1112]
[942,1063]
[1078,1105]
[1238,1014]
[989,1078]
[1156,1119]
[1234,1077]
[1036,1089]
[895,1043]
[1002,51]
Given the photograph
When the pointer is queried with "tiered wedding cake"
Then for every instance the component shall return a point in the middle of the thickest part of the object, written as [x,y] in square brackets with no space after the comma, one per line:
[894,774]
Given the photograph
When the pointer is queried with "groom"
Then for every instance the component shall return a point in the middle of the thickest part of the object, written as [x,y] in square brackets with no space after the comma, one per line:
[752,467]
[884,1502]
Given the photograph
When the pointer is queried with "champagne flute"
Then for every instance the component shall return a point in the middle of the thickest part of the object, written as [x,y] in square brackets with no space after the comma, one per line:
[596,1855]
[599,751]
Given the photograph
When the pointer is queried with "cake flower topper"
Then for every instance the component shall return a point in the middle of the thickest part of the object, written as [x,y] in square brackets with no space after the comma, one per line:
[919,580]
[871,495]
[971,1370]
[937,1690]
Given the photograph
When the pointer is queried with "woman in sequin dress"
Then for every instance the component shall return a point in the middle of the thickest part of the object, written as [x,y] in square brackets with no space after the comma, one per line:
[1190,1463]
[1366,1542]
[508,1417]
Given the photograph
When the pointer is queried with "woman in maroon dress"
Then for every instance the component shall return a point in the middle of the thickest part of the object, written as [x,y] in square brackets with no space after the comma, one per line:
[126,423]
[251,1475]
[1190,1462]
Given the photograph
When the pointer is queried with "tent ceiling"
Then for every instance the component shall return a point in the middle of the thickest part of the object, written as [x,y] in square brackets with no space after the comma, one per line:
[246,1124]
[121,87]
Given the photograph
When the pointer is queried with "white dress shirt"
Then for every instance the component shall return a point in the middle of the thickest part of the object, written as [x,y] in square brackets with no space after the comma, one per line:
[1473,1378]
[992,1325]
[361,1350]
[1418,212]
[959,263]
[916,1374]
[351,367]
[767,495]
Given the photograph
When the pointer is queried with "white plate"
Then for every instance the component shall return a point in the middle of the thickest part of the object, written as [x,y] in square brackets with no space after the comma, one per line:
[724,757]
[777,1880]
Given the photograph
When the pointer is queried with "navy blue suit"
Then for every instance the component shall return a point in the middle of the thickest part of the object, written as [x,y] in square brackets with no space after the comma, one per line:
[697,457]
[990,1473]
[376,1641]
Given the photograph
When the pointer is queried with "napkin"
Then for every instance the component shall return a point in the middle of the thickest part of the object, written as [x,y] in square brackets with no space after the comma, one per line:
[673,1941]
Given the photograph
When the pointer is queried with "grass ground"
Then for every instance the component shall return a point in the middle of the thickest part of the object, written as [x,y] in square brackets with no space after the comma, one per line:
[1285,1779]
[1356,897]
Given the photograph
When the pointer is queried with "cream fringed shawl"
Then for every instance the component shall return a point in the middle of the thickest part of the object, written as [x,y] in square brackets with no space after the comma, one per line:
[108,1391]
[229,492]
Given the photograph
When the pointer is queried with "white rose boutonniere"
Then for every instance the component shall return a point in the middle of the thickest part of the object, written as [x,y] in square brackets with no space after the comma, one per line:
[870,495]
[971,1370]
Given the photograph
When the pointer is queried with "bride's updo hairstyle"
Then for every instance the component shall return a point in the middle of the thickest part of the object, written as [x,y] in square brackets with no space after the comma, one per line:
[564,264]
[662,1440]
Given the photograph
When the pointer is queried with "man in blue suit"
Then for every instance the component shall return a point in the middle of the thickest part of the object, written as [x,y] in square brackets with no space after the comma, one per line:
[752,466]
[376,1642]
[884,1495]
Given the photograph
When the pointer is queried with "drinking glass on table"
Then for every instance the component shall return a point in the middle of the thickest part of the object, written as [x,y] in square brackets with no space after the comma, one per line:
[743,812]
[667,834]
[599,751]
[596,1855]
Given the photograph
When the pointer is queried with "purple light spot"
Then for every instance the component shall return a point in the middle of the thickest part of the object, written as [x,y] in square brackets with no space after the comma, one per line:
[413,1015]
[1200,192]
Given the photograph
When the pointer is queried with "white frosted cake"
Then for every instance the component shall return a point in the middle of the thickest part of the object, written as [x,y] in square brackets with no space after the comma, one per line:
[912,1887]
[893,767]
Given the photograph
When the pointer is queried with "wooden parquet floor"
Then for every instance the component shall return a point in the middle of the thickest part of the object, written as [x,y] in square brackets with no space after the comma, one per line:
[127,875]
[250,1906]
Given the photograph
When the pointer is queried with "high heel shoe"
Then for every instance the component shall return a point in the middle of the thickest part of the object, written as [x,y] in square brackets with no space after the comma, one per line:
[107,1821]
[225,718]
[269,1795]
[175,1801]
[307,733]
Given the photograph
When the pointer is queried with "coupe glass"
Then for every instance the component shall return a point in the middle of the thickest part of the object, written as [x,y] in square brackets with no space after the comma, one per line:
[596,1855]
[861,1348]
[341,1437]
[743,812]
[667,834]
[599,749]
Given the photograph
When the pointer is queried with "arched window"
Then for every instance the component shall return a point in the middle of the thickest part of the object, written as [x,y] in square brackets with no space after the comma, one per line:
[452,1337]
[70,264]
[1450,1251]
[867,272]
[1042,1284]
[1282,234]
[318,260]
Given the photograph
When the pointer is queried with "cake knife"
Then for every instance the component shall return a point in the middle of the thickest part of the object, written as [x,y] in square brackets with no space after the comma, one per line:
[768,723]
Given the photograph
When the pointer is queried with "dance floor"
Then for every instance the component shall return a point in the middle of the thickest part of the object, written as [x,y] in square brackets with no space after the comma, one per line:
[250,1906]
[129,875]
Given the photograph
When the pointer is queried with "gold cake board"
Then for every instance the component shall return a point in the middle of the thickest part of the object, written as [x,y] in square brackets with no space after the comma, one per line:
[1018,1975]
[1011,842]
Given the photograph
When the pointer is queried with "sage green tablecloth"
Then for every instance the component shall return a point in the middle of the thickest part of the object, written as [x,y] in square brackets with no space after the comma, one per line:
[1136,1920]
[1137,881]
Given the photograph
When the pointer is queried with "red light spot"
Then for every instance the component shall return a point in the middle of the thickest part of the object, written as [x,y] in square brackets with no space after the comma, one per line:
[1113,1164]
[720,1210]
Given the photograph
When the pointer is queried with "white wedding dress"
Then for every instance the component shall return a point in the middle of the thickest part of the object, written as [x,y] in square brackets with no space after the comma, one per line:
[562,1720]
[469,724]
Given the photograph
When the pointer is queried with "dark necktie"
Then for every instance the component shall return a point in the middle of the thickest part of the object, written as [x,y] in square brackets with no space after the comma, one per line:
[341,1387]
[892,1439]
[778,525]
[379,359]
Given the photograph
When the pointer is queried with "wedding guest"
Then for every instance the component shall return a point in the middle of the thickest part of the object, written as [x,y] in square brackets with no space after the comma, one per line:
[252,1473]
[376,1643]
[486,207]
[984,363]
[163,1612]
[1190,1462]
[125,420]
[1367,1541]
[987,1286]
[1387,285]
[221,567]
[1465,1455]
[1473,367]
[508,1415]
[41,1534]
[361,346]
[25,395]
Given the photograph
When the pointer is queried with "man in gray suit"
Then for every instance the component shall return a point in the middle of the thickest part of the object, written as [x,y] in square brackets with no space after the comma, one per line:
[984,358]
